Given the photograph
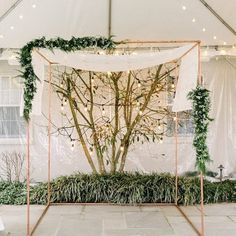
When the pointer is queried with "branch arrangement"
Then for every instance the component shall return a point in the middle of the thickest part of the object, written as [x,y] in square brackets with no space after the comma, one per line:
[107,112]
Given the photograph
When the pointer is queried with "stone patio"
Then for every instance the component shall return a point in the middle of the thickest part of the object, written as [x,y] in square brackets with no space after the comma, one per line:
[105,220]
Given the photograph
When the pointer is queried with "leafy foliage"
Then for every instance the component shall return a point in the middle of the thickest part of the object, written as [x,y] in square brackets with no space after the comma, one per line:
[25,59]
[126,188]
[201,108]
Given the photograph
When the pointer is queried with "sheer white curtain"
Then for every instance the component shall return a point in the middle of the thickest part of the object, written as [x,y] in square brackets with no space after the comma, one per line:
[114,63]
[220,79]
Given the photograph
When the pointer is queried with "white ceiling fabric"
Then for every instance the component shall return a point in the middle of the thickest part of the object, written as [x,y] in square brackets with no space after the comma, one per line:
[113,63]
[132,19]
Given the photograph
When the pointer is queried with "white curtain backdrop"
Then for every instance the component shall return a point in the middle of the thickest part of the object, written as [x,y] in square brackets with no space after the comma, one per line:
[114,63]
[220,79]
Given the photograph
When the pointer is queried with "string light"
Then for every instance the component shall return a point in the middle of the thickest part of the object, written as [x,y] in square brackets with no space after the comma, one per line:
[92,80]
[121,148]
[184,8]
[33,5]
[21,17]
[140,113]
[109,74]
[214,37]
[175,118]
[86,107]
[233,47]
[224,43]
[204,29]
[159,124]
[193,20]
[61,84]
[1,36]
[12,27]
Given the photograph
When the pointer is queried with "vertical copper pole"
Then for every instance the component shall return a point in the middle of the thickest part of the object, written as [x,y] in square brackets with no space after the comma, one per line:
[201,174]
[202,206]
[28,176]
[176,158]
[49,129]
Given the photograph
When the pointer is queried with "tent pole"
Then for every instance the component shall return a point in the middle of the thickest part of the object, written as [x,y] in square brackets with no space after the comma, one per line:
[28,177]
[49,129]
[176,158]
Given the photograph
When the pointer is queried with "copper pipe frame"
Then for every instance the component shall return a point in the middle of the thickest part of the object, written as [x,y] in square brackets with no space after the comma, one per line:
[30,233]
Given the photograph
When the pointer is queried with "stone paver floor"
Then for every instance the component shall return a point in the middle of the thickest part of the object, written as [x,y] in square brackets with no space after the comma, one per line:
[105,220]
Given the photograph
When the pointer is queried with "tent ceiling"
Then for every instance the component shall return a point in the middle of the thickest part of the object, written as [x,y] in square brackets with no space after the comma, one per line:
[133,19]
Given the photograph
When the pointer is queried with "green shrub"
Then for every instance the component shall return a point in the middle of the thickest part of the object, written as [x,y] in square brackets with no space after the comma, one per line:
[125,188]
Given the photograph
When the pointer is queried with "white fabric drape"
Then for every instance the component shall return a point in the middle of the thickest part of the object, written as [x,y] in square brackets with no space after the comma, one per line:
[188,75]
[115,63]
[220,79]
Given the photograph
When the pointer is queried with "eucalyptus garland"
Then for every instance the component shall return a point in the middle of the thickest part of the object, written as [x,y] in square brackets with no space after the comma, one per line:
[25,59]
[201,108]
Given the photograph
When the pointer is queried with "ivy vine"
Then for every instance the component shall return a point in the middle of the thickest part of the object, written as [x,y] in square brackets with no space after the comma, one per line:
[25,59]
[201,108]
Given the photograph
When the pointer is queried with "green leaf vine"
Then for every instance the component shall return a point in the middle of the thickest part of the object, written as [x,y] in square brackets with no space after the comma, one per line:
[25,59]
[201,108]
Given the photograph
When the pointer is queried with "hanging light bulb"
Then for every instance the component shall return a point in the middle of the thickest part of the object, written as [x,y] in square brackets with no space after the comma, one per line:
[175,118]
[65,101]
[137,103]
[91,151]
[139,84]
[103,111]
[62,107]
[161,139]
[173,84]
[86,107]
[72,142]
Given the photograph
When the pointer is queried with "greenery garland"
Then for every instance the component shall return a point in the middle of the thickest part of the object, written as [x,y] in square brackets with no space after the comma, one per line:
[201,107]
[25,59]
